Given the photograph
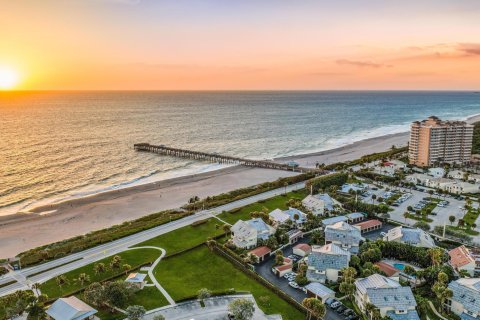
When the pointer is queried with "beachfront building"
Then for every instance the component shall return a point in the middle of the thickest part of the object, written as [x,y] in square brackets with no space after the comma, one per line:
[465,301]
[436,172]
[436,141]
[71,308]
[462,259]
[333,220]
[391,299]
[415,237]
[318,204]
[245,234]
[325,262]
[279,217]
[344,235]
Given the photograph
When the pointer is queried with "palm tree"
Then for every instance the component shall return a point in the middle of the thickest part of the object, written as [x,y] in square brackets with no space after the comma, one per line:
[372,312]
[314,308]
[82,278]
[203,294]
[126,267]
[211,244]
[374,196]
[61,280]
[36,287]
[226,229]
[405,215]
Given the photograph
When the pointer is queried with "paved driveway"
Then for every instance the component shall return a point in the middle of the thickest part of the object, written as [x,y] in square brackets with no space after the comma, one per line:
[265,270]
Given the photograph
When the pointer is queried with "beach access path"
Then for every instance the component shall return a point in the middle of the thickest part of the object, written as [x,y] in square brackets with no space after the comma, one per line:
[38,274]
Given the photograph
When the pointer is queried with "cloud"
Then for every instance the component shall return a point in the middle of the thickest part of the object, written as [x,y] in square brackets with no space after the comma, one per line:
[469,48]
[362,64]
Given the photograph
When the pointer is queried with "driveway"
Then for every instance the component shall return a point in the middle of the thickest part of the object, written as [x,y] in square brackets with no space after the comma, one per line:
[265,270]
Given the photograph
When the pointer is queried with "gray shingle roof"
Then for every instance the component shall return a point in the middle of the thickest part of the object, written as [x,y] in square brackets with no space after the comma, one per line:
[467,292]
[332,220]
[410,315]
[343,232]
[355,215]
[327,200]
[319,289]
[313,276]
[70,308]
[375,281]
[329,256]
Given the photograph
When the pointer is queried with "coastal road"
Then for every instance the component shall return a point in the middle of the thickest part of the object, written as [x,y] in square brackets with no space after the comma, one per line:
[37,274]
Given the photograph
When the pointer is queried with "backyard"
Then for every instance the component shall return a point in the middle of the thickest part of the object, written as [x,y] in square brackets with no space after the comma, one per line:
[183,275]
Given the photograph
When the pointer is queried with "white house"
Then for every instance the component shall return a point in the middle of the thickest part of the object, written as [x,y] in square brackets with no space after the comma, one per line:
[387,295]
[436,172]
[302,249]
[462,259]
[439,183]
[247,233]
[280,217]
[319,291]
[318,203]
[456,174]
[465,301]
[71,308]
[325,262]
[415,237]
[417,178]
[462,187]
[344,235]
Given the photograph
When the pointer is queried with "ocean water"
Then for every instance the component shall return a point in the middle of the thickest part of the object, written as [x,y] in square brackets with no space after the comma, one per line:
[59,145]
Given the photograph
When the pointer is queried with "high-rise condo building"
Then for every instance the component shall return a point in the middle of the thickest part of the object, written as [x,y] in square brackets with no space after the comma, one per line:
[433,141]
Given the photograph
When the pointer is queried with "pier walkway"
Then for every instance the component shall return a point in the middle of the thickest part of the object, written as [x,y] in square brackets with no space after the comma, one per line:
[214,157]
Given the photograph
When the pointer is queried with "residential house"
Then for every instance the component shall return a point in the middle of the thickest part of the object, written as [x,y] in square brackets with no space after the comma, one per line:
[356,217]
[294,236]
[439,183]
[320,203]
[465,301]
[388,269]
[333,220]
[388,296]
[280,217]
[369,226]
[261,253]
[284,268]
[415,237]
[136,279]
[456,174]
[344,235]
[302,249]
[319,291]
[71,308]
[436,172]
[462,259]
[462,187]
[418,178]
[245,234]
[325,262]
[354,187]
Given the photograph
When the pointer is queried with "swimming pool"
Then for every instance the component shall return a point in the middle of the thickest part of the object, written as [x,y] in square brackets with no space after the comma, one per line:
[399,266]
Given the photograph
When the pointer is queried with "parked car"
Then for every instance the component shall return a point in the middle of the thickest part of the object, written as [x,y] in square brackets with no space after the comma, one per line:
[383,234]
[293,284]
[335,304]
[340,309]
[348,312]
[329,301]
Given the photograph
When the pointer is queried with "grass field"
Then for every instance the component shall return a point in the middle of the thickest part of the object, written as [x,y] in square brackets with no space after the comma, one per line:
[183,275]
[131,257]
[271,204]
[186,237]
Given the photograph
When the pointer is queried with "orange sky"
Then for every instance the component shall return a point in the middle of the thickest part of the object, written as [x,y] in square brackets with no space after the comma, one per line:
[218,44]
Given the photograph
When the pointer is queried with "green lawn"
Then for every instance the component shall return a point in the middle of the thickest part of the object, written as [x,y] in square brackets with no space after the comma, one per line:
[271,204]
[466,230]
[183,275]
[186,237]
[150,298]
[471,216]
[419,217]
[131,257]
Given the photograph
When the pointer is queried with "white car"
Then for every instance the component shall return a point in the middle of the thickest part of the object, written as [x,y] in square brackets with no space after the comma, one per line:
[383,234]
[293,284]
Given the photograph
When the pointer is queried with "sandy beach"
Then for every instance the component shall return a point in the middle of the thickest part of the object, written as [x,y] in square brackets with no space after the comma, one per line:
[51,223]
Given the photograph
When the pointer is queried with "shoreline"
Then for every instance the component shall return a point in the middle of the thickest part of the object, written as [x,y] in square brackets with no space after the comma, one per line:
[57,221]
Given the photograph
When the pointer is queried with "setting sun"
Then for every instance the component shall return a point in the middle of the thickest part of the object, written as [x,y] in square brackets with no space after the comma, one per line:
[8,78]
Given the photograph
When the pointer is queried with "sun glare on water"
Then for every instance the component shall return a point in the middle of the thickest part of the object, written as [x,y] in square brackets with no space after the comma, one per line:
[8,78]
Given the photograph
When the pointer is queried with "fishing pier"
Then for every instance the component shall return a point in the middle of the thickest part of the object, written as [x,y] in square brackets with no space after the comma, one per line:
[217,158]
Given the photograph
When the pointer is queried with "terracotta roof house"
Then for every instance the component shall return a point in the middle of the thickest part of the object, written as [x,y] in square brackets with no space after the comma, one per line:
[284,268]
[302,249]
[388,296]
[71,308]
[260,252]
[465,301]
[388,269]
[325,262]
[462,259]
[369,226]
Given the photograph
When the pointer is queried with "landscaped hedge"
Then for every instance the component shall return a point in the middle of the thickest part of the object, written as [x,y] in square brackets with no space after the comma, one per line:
[368,158]
[323,182]
[92,239]
[376,177]
[224,198]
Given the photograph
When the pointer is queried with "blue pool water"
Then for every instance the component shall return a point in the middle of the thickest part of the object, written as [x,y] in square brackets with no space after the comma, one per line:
[399,266]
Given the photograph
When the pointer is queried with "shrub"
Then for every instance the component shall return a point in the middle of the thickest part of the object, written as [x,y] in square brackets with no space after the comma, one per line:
[323,182]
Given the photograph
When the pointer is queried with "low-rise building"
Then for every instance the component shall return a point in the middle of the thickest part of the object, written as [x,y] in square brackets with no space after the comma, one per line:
[333,220]
[136,279]
[325,263]
[462,259]
[318,204]
[369,226]
[353,187]
[387,295]
[302,249]
[245,234]
[355,217]
[71,308]
[418,178]
[415,237]
[436,172]
[462,187]
[261,253]
[319,291]
[284,268]
[294,236]
[465,301]
[344,235]
[388,269]
[280,217]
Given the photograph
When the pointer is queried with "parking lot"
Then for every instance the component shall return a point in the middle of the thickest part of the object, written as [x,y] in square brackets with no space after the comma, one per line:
[265,270]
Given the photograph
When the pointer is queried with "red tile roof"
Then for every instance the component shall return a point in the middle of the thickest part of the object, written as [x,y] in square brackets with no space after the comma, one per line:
[460,256]
[304,247]
[260,251]
[368,224]
[388,269]
[284,267]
